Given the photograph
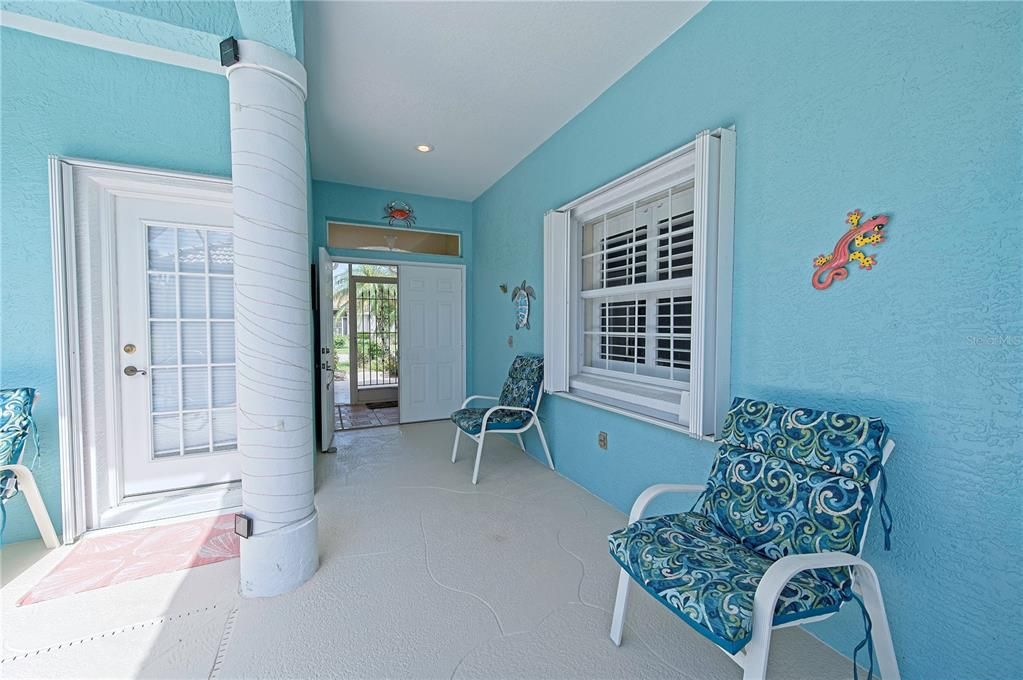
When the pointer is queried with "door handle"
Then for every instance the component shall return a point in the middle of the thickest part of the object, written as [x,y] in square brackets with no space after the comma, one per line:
[131,370]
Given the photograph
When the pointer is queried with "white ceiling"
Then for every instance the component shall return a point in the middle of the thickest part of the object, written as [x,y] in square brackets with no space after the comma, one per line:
[484,82]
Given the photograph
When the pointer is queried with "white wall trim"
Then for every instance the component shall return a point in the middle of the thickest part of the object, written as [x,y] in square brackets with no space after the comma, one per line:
[659,422]
[65,309]
[107,43]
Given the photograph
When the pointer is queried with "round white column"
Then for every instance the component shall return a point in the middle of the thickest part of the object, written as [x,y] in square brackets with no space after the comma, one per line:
[273,318]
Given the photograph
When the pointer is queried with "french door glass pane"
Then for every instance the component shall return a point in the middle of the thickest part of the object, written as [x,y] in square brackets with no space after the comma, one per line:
[191,311]
[223,386]
[196,428]
[221,252]
[163,291]
[224,429]
[222,342]
[164,343]
[194,343]
[193,297]
[195,388]
[166,435]
[191,251]
[161,249]
[165,390]
[221,298]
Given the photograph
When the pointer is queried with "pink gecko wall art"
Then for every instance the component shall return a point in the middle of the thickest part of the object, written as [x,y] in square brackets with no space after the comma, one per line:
[831,268]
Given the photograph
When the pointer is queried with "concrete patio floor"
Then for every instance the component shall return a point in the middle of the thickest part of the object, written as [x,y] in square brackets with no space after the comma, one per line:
[422,575]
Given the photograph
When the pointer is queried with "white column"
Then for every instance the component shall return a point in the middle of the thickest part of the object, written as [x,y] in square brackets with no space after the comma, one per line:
[273,317]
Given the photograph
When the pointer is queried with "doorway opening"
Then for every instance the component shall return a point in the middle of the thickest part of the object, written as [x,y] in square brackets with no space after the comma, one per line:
[365,329]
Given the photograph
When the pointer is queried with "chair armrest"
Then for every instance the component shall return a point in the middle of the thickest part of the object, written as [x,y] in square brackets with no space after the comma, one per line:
[652,492]
[477,396]
[781,572]
[493,409]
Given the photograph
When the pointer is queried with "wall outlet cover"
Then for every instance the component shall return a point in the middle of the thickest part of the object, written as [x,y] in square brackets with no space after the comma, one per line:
[602,440]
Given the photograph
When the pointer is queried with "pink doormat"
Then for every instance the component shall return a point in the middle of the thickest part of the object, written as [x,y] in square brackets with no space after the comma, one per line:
[101,561]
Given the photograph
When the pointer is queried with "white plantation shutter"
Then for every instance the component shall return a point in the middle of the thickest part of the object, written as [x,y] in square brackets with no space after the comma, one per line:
[556,296]
[637,304]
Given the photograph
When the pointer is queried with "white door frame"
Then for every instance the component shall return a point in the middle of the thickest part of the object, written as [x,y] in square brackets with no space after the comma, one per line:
[399,263]
[80,509]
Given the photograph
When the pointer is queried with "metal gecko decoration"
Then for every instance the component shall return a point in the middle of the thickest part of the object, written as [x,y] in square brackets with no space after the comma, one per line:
[831,268]
[520,298]
[400,211]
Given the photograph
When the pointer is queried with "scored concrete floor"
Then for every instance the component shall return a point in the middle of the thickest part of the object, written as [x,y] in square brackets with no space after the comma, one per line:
[422,575]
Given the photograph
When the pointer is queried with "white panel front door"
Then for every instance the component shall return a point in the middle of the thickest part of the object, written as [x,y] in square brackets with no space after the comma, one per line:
[430,339]
[175,341]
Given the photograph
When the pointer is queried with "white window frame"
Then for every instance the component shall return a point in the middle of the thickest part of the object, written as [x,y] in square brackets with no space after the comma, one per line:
[696,406]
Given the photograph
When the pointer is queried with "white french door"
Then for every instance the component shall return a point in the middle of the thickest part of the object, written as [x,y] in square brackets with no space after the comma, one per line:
[176,346]
[431,335]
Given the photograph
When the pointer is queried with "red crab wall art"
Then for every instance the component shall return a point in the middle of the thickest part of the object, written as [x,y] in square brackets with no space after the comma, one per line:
[400,211]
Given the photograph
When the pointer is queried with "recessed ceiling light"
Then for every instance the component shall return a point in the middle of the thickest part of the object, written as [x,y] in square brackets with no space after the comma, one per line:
[424,148]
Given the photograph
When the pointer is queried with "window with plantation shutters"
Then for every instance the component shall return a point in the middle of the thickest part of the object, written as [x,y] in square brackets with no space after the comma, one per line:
[648,287]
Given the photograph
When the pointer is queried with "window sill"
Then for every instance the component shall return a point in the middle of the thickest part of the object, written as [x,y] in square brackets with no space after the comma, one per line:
[653,404]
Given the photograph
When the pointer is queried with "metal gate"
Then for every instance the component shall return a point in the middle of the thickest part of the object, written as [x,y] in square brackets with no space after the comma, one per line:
[374,316]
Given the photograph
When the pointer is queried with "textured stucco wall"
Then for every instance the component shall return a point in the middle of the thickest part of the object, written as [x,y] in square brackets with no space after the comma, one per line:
[59,98]
[193,27]
[915,110]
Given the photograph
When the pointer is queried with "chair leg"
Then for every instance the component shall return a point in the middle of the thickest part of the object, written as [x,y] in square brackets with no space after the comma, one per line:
[543,440]
[621,601]
[754,666]
[884,650]
[27,485]
[479,455]
[454,448]
[518,435]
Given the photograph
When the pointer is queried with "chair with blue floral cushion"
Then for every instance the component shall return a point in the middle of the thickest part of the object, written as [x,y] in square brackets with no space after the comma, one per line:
[778,535]
[514,413]
[16,424]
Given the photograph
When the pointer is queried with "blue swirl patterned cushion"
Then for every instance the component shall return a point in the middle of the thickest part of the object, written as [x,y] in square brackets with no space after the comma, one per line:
[15,422]
[470,420]
[785,481]
[708,579]
[843,444]
[525,378]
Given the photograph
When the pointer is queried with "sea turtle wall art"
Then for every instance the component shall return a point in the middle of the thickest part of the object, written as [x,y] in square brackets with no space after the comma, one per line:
[520,298]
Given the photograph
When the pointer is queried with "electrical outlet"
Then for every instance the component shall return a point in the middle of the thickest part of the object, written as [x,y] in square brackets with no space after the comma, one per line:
[602,440]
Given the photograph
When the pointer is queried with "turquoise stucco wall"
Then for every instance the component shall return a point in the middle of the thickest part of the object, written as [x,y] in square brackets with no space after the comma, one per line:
[193,27]
[364,205]
[60,98]
[912,109]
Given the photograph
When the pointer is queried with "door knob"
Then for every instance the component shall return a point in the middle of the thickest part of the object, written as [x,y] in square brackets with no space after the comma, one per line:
[131,370]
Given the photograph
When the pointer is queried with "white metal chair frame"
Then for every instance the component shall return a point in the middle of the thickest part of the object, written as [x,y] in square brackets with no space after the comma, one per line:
[533,421]
[27,486]
[753,658]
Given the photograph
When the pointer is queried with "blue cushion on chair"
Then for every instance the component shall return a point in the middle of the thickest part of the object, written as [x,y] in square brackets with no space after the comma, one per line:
[839,443]
[794,480]
[525,378]
[777,508]
[709,580]
[15,422]
[470,420]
